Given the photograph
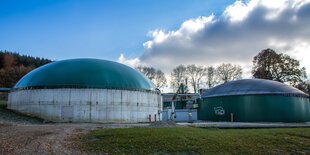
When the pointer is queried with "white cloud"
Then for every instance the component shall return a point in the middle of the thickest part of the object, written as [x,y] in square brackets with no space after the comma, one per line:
[130,62]
[237,11]
[188,28]
[194,25]
[243,30]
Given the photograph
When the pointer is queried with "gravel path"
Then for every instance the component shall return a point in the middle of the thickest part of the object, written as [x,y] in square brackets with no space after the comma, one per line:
[164,124]
[38,139]
[20,134]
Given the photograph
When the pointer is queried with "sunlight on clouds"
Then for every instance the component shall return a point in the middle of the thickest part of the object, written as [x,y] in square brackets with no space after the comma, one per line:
[297,49]
[130,62]
[278,44]
[298,3]
[302,52]
[158,37]
[194,25]
[237,11]
[236,36]
[274,4]
[188,27]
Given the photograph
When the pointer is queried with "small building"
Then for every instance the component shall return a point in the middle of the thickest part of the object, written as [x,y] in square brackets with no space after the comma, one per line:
[4,94]
[86,90]
[254,100]
[185,106]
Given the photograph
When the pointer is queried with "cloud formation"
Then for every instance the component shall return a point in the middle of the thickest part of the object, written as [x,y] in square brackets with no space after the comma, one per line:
[130,62]
[243,30]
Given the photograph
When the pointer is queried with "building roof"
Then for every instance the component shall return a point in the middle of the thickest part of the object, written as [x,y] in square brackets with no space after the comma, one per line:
[252,87]
[5,89]
[85,73]
[167,97]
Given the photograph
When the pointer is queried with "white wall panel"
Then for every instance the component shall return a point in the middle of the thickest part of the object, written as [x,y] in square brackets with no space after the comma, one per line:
[86,105]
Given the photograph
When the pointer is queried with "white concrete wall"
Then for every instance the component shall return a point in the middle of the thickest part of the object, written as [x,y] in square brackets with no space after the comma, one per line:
[87,105]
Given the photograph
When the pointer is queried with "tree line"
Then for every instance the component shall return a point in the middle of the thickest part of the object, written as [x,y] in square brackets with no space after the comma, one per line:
[14,66]
[267,64]
[194,75]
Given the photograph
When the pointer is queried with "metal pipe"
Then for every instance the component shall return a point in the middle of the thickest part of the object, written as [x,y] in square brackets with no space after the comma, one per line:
[231,117]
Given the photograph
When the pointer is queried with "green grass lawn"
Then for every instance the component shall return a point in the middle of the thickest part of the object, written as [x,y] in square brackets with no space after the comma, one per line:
[197,141]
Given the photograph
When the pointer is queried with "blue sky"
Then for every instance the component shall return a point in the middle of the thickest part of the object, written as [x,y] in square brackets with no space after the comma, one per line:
[61,29]
[157,33]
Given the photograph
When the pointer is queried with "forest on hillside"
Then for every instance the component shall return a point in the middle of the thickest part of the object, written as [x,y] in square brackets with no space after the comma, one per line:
[14,66]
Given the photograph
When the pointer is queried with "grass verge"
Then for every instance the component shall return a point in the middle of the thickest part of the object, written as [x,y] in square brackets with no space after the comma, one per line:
[197,141]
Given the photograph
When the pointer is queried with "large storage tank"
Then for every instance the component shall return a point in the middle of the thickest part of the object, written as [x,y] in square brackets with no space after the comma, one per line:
[254,100]
[86,90]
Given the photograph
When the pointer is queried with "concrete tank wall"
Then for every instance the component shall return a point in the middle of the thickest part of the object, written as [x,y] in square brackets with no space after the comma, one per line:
[87,105]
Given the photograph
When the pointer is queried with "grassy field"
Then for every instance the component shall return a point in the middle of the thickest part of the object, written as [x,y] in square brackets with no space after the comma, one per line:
[197,141]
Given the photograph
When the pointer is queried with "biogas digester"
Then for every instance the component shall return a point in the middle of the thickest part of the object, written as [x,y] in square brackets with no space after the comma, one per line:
[254,100]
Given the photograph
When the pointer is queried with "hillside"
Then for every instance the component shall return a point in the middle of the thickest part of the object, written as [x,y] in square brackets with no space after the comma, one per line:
[14,66]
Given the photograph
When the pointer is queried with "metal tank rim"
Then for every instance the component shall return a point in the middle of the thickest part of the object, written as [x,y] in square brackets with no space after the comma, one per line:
[156,91]
[259,94]
[249,87]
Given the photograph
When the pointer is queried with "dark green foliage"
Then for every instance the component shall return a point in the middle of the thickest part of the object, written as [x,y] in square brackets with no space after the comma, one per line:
[197,141]
[278,67]
[304,86]
[14,66]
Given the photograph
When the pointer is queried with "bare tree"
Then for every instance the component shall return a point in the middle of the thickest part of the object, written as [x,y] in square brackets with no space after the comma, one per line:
[149,72]
[211,76]
[178,76]
[228,72]
[160,80]
[195,74]
[156,76]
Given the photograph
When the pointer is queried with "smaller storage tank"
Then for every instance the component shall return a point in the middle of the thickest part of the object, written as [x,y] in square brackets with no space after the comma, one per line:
[254,100]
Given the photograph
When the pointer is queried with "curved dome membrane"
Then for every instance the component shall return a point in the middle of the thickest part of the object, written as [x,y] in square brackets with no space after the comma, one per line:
[85,73]
[252,87]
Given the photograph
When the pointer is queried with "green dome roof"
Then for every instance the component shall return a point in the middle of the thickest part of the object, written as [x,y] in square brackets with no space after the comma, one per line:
[85,73]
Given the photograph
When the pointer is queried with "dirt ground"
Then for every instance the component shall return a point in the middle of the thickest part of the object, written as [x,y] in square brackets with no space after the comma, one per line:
[21,134]
[61,138]
[39,139]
